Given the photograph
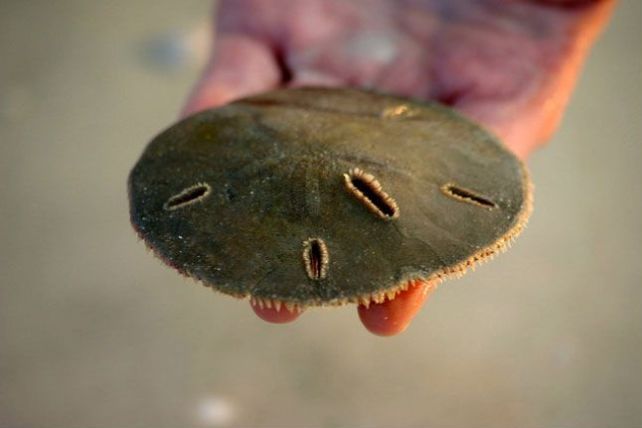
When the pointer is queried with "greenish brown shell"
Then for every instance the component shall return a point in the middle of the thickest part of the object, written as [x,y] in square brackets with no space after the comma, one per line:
[317,196]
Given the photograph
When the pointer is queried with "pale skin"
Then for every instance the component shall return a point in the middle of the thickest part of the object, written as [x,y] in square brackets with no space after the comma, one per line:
[508,64]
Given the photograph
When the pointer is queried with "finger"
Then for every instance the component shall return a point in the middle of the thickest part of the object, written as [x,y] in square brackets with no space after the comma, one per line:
[276,315]
[394,316]
[241,65]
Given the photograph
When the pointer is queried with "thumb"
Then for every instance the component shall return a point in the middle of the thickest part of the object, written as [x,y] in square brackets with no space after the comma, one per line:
[240,65]
[529,119]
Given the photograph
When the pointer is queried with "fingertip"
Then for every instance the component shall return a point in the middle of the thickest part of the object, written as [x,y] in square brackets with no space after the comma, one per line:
[376,320]
[392,317]
[280,315]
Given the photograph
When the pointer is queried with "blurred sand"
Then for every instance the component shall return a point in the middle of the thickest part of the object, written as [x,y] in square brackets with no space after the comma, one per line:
[95,332]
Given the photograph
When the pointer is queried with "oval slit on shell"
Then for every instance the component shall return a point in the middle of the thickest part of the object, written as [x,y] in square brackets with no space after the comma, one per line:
[466,195]
[367,189]
[315,258]
[188,196]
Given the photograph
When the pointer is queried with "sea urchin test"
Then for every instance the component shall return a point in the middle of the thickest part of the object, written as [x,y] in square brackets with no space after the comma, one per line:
[315,196]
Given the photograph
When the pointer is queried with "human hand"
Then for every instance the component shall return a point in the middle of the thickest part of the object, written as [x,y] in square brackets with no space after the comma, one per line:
[508,64]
